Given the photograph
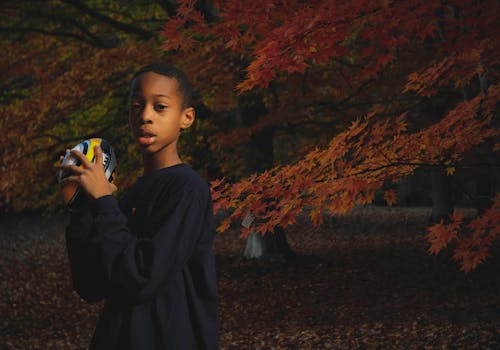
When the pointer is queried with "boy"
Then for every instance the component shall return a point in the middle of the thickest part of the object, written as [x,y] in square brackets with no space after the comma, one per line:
[150,254]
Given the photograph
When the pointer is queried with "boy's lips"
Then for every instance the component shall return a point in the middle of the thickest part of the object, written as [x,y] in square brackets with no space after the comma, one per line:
[145,138]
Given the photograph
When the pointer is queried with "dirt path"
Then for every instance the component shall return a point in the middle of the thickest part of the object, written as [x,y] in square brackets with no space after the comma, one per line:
[370,285]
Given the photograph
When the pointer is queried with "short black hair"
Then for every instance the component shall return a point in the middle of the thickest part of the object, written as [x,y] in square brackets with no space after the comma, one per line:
[173,72]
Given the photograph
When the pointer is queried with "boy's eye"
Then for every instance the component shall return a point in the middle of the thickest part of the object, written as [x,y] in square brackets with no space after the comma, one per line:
[136,106]
[160,107]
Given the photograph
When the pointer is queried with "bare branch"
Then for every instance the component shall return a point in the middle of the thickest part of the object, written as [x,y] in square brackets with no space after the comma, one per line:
[57,33]
[145,34]
[169,7]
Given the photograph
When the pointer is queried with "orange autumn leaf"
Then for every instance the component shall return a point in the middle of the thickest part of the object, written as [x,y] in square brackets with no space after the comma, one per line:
[390,197]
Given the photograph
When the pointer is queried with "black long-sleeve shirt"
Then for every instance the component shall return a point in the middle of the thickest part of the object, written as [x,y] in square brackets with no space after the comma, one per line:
[150,257]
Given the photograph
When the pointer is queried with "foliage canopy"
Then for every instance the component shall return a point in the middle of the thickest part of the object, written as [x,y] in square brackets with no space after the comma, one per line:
[345,101]
[420,89]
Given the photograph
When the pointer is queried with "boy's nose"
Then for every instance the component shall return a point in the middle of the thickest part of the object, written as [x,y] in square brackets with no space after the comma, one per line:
[145,115]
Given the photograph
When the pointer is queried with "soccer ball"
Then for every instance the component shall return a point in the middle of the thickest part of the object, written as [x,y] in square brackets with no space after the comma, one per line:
[71,191]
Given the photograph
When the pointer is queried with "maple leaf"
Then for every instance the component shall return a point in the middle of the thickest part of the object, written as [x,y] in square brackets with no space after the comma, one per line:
[390,197]
[258,207]
[368,197]
[316,216]
[265,228]
[439,236]
[289,218]
[218,182]
[224,225]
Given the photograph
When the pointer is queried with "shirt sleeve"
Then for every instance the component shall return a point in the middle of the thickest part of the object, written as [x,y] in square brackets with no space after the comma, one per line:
[137,268]
[86,274]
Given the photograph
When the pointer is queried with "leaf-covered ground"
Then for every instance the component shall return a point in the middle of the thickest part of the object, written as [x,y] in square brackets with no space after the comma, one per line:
[364,281]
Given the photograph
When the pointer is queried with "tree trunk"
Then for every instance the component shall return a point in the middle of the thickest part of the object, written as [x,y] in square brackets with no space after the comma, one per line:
[486,179]
[259,156]
[442,196]
[270,246]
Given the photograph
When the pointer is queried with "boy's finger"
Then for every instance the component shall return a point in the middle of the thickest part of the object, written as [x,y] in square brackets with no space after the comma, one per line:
[73,179]
[73,169]
[98,156]
[79,155]
[61,157]
[113,187]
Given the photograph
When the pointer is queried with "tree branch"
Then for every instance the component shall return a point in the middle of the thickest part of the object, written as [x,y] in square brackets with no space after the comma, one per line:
[96,43]
[168,7]
[144,34]
[60,141]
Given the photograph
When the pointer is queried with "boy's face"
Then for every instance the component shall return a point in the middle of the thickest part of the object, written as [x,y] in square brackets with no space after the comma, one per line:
[157,114]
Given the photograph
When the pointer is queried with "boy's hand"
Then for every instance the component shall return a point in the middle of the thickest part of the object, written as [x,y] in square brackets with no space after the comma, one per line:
[89,176]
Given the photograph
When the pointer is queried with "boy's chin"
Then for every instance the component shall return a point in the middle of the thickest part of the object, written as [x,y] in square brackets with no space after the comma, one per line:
[147,150]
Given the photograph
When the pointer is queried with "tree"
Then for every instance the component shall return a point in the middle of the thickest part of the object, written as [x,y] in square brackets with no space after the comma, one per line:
[369,81]
[365,100]
[66,66]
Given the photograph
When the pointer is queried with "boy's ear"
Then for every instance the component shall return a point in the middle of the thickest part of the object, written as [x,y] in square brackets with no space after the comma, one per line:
[188,117]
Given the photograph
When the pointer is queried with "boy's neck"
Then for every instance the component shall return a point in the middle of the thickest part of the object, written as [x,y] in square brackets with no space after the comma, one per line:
[152,163]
